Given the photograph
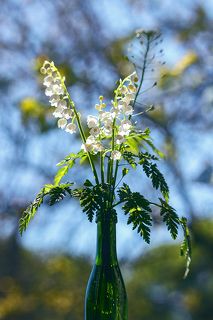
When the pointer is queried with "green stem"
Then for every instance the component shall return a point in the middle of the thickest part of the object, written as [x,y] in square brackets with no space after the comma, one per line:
[82,135]
[102,167]
[142,75]
[139,88]
[112,163]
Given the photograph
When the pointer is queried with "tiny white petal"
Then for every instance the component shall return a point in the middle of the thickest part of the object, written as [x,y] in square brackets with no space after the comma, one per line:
[68,113]
[62,123]
[126,124]
[132,88]
[87,147]
[48,80]
[54,99]
[90,140]
[49,91]
[97,147]
[119,139]
[95,131]
[62,104]
[71,128]
[128,110]
[92,121]
[115,155]
[134,77]
[58,113]
[107,129]
[58,89]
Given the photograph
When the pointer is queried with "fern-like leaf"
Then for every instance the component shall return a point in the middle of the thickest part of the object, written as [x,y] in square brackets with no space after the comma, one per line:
[88,200]
[152,172]
[170,217]
[56,193]
[59,192]
[185,249]
[138,209]
[130,158]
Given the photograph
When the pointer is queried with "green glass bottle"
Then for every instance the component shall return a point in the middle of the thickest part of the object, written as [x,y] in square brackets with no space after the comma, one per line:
[106,297]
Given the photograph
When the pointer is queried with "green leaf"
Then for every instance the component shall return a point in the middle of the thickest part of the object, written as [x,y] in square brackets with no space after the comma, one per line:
[124,172]
[135,140]
[88,183]
[60,174]
[56,193]
[156,150]
[138,209]
[63,171]
[71,157]
[185,249]
[89,202]
[170,217]
[83,158]
[152,172]
[130,158]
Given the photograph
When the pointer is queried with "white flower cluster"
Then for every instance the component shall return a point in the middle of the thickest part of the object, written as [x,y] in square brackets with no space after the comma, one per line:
[57,98]
[114,125]
[117,119]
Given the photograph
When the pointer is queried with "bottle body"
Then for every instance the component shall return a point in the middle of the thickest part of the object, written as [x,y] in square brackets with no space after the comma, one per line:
[106,297]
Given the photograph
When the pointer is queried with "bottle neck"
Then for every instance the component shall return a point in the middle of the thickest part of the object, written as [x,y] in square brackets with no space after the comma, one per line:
[106,243]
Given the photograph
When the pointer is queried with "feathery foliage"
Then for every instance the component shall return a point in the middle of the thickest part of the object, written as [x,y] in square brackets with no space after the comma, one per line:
[113,137]
[185,249]
[152,172]
[55,193]
[138,209]
[170,217]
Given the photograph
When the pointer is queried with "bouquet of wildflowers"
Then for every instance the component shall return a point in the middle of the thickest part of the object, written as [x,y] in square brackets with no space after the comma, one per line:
[112,138]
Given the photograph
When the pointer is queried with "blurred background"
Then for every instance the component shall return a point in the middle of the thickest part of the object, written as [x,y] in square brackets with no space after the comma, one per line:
[43,275]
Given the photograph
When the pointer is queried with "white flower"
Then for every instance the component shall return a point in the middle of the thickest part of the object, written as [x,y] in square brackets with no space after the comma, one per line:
[128,110]
[56,80]
[92,121]
[126,124]
[62,104]
[107,129]
[68,113]
[125,128]
[115,155]
[62,123]
[48,80]
[114,112]
[58,89]
[134,77]
[132,88]
[87,147]
[54,99]
[121,106]
[49,91]
[119,139]
[123,89]
[97,147]
[58,113]
[71,128]
[128,97]
[90,140]
[106,116]
[95,131]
